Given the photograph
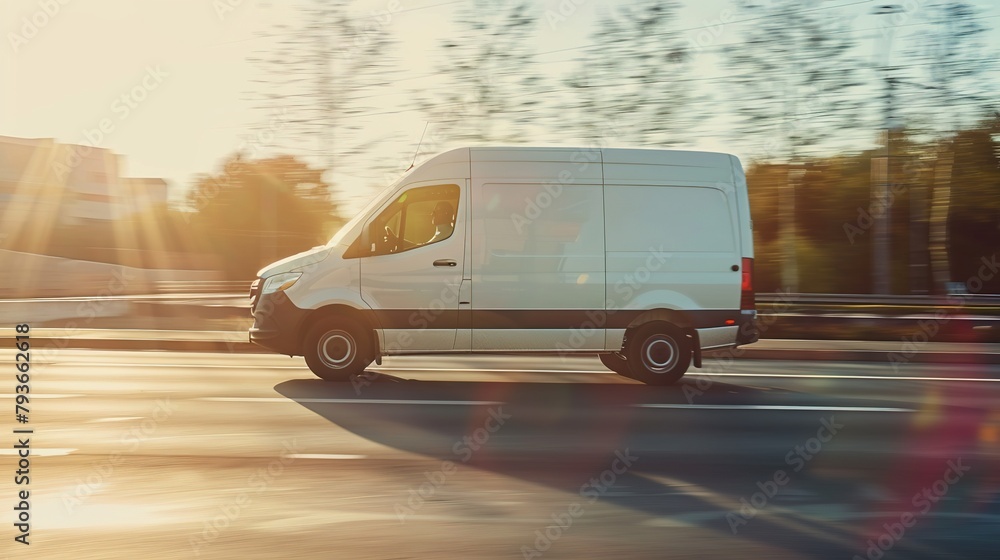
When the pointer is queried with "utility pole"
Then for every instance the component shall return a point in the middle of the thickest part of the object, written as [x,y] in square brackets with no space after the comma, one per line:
[881,170]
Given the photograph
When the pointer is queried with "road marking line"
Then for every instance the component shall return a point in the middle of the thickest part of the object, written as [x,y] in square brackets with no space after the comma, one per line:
[835,376]
[570,371]
[41,396]
[495,370]
[345,401]
[704,374]
[179,366]
[115,419]
[324,456]
[485,403]
[776,407]
[55,452]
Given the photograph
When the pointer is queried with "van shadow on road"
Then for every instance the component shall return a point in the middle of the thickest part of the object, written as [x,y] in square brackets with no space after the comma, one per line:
[563,435]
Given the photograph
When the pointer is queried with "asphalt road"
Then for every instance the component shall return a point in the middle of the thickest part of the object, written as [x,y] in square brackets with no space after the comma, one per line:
[149,455]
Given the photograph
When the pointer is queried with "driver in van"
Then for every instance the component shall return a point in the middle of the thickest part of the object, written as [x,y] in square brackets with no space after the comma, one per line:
[443,220]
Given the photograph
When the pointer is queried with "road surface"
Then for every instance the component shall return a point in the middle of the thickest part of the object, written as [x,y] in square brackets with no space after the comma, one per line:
[149,455]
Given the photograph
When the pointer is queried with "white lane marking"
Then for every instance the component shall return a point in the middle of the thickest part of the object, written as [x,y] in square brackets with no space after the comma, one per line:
[55,452]
[345,401]
[705,374]
[835,376]
[325,456]
[378,369]
[115,419]
[179,366]
[41,396]
[776,407]
[483,403]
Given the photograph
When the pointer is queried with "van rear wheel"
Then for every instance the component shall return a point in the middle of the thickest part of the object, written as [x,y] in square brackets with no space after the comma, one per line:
[616,363]
[336,350]
[658,354]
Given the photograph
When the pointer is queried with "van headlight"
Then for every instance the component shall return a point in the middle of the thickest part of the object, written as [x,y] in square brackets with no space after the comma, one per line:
[280,282]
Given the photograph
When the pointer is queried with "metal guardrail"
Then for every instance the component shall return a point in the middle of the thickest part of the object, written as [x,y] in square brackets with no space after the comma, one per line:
[975,300]
[203,287]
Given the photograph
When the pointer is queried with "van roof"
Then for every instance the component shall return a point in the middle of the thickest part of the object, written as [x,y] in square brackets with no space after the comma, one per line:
[646,156]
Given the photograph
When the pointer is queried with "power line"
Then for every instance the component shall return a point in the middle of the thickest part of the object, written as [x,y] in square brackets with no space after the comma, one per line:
[716,48]
[408,10]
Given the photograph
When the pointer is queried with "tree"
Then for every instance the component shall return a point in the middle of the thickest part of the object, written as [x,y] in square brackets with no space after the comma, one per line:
[956,88]
[793,85]
[488,88]
[320,74]
[256,212]
[632,80]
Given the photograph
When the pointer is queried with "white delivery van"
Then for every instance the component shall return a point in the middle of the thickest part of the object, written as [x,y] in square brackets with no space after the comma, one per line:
[644,257]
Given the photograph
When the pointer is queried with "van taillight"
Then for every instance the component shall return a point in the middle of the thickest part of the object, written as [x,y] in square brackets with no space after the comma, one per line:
[746,286]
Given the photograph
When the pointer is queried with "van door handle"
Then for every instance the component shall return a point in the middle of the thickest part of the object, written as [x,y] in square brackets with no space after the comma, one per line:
[445,262]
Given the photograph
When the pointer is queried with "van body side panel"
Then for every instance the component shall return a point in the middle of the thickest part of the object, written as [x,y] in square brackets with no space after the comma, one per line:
[672,238]
[537,250]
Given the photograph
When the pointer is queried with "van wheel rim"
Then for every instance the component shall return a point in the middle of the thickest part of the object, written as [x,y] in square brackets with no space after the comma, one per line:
[336,349]
[660,354]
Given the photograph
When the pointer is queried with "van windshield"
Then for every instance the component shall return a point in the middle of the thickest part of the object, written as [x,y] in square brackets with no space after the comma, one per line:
[374,203]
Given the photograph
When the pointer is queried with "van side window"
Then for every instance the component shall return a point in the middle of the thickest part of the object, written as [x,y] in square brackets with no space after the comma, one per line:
[418,217]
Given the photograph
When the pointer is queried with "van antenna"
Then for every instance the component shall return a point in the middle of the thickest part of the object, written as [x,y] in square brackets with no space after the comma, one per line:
[415,154]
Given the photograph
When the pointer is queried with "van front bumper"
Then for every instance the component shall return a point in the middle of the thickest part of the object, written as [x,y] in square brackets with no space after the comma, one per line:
[277,322]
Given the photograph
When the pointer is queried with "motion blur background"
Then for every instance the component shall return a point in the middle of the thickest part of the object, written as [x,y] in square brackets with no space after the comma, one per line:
[155,154]
[195,141]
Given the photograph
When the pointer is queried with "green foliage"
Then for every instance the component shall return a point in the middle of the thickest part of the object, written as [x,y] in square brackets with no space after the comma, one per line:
[256,212]
[833,209]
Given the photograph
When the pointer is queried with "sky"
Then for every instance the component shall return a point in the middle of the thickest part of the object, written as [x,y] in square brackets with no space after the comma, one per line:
[174,80]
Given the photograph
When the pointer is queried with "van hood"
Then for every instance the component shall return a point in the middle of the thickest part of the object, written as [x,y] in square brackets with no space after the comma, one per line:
[297,262]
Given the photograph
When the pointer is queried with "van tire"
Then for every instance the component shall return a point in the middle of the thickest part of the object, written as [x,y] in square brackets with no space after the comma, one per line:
[336,350]
[615,362]
[658,354]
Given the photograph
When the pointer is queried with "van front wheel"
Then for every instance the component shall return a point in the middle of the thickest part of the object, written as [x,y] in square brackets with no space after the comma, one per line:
[336,350]
[658,354]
